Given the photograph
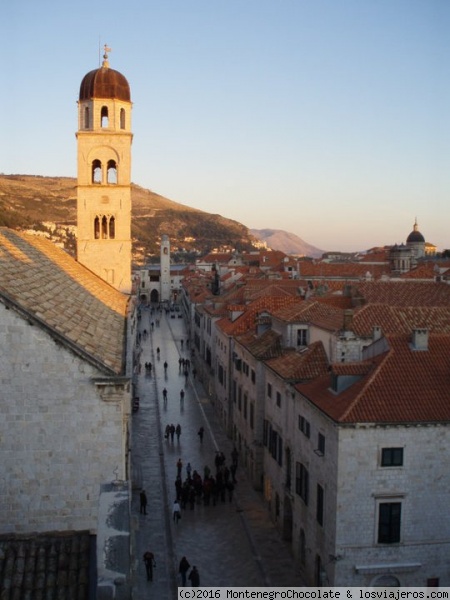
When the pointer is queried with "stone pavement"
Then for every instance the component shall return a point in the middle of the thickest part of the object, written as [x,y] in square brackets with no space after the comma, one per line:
[233,543]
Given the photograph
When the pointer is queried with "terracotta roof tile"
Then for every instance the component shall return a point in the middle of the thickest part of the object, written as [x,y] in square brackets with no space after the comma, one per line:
[405,293]
[264,346]
[403,386]
[312,312]
[423,271]
[248,319]
[51,565]
[341,270]
[394,319]
[303,365]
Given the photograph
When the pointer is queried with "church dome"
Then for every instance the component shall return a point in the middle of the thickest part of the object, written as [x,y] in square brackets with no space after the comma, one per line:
[105,83]
[415,236]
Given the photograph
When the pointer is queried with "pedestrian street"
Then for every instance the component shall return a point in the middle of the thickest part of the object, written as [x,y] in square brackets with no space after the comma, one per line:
[233,543]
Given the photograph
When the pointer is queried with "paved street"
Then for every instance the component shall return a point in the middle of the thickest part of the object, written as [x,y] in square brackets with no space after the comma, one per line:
[232,543]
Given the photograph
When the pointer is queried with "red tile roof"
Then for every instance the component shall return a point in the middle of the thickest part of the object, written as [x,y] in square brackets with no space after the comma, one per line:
[248,319]
[393,319]
[303,365]
[312,312]
[405,293]
[424,270]
[403,385]
[264,346]
[341,270]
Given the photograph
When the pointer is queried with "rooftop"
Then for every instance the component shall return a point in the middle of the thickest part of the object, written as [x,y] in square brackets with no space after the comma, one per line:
[47,286]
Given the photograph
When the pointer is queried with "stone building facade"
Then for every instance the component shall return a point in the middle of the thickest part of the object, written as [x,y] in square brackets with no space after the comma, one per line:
[344,425]
[65,387]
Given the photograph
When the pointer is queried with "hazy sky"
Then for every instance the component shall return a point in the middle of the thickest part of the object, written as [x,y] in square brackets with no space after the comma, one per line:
[326,118]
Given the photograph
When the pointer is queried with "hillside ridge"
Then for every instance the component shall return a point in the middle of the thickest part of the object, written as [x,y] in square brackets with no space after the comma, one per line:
[47,206]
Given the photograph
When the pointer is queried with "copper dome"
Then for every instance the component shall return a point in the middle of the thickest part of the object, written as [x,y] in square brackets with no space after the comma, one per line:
[415,236]
[104,83]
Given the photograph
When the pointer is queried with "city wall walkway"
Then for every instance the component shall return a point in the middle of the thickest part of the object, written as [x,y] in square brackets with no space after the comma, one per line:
[233,543]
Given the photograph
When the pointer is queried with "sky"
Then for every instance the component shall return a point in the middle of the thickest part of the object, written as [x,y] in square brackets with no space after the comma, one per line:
[328,119]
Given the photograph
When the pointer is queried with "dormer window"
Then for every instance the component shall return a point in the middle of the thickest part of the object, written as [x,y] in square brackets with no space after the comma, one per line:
[302,337]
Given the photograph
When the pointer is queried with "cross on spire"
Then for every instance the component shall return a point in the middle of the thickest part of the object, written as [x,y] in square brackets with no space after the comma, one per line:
[105,56]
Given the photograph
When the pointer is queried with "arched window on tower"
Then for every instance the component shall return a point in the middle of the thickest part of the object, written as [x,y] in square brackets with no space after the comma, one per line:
[104,116]
[96,228]
[122,118]
[112,228]
[86,117]
[111,174]
[104,228]
[96,171]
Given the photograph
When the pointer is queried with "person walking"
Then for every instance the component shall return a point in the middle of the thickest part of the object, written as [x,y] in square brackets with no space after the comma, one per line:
[165,395]
[178,432]
[234,456]
[201,431]
[179,467]
[183,569]
[194,577]
[149,561]
[143,502]
[176,511]
[181,396]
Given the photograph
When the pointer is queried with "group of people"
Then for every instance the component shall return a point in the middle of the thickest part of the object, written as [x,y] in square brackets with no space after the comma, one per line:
[184,566]
[171,431]
[195,489]
[207,489]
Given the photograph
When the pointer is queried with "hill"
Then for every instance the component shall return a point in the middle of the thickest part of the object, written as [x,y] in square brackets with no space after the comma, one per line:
[286,242]
[48,205]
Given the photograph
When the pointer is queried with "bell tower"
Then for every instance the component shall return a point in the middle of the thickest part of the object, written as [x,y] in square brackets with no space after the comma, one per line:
[165,268]
[104,175]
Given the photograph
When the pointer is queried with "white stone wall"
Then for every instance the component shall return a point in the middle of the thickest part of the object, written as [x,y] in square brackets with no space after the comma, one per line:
[422,485]
[58,440]
[319,539]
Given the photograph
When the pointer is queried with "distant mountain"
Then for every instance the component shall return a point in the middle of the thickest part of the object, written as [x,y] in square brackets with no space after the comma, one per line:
[286,242]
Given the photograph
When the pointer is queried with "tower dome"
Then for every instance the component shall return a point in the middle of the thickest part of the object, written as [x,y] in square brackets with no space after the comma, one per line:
[415,236]
[104,83]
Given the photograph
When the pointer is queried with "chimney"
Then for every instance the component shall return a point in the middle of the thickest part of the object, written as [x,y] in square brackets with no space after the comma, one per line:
[348,320]
[420,339]
[376,333]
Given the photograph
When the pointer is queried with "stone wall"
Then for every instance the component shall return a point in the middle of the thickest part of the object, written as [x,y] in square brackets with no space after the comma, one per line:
[58,439]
